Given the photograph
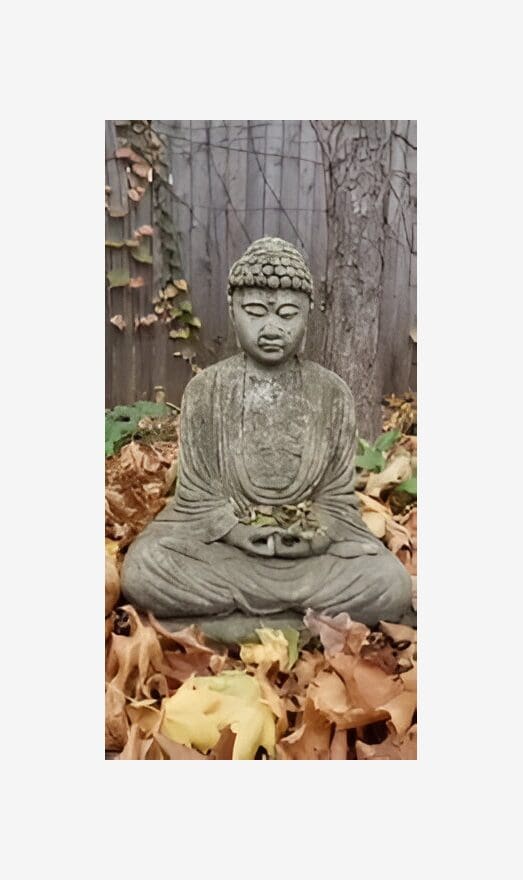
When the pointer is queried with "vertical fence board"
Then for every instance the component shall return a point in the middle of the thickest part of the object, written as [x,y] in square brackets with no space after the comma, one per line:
[273,178]
[290,180]
[235,180]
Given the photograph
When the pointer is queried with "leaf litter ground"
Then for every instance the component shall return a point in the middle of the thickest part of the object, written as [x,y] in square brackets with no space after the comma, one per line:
[337,691]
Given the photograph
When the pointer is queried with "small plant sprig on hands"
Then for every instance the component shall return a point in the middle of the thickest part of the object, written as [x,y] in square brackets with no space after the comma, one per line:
[297,519]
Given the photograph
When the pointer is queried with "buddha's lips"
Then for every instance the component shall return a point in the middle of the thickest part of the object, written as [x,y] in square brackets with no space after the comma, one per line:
[271,346]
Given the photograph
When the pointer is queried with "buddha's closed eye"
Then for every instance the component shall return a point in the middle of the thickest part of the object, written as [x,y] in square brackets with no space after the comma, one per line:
[257,310]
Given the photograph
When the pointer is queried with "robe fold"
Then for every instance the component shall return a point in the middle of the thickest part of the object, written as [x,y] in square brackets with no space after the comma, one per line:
[178,566]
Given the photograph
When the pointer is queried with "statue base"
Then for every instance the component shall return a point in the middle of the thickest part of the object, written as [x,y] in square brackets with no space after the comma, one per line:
[236,627]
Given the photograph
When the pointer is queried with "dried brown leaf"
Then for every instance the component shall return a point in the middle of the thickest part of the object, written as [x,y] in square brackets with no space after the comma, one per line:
[137,480]
[399,632]
[397,537]
[145,320]
[174,751]
[397,470]
[331,630]
[127,153]
[137,745]
[118,321]
[136,282]
[131,659]
[112,578]
[310,742]
[401,710]
[116,720]
[223,749]
[388,750]
[141,170]
[339,748]
[329,695]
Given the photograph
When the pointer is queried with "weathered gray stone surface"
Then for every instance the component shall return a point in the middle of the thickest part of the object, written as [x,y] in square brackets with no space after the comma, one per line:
[265,428]
[236,627]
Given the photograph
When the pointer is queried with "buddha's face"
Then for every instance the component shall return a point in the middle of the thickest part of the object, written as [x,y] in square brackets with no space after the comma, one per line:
[270,324]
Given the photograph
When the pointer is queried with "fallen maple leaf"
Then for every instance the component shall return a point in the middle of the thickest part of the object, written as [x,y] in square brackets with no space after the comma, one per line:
[331,630]
[310,741]
[116,720]
[388,750]
[339,748]
[176,752]
[132,658]
[112,576]
[329,695]
[274,648]
[138,478]
[202,707]
[401,710]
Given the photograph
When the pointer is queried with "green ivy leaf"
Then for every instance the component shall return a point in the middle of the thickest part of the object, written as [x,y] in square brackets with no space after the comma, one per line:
[185,306]
[362,445]
[410,486]
[193,321]
[387,441]
[184,333]
[142,253]
[118,277]
[121,423]
[371,460]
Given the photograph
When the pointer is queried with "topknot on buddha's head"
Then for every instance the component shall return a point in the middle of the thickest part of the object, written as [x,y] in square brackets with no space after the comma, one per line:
[272,263]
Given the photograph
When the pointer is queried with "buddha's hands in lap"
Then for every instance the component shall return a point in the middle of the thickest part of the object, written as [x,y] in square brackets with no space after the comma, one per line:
[256,540]
[293,547]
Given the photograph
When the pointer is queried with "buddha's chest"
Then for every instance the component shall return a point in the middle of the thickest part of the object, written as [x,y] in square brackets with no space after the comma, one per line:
[274,428]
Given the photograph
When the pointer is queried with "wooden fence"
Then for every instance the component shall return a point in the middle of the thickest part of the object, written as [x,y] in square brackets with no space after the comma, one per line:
[230,183]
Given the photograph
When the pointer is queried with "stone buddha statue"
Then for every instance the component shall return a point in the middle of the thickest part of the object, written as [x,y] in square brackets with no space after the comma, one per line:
[262,432]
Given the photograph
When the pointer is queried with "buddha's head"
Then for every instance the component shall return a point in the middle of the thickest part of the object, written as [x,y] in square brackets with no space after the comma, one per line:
[270,297]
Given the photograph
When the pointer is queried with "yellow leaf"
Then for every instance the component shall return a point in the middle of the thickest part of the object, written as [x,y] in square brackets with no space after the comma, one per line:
[202,707]
[274,648]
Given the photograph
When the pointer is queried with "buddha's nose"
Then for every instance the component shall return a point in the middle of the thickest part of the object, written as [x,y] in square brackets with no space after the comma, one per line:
[270,331]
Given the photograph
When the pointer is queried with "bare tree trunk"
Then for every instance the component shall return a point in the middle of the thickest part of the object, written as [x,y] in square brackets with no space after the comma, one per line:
[347,338]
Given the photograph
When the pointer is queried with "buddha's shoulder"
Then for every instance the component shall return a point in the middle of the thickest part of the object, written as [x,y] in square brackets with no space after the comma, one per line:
[206,379]
[326,379]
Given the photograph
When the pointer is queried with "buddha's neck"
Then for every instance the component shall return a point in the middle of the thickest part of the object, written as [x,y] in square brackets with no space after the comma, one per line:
[263,371]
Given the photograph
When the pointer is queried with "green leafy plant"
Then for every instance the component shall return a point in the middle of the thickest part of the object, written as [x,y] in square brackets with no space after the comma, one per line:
[122,422]
[409,486]
[372,458]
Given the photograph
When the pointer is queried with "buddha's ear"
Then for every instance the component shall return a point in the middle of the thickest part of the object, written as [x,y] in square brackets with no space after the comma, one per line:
[303,342]
[233,322]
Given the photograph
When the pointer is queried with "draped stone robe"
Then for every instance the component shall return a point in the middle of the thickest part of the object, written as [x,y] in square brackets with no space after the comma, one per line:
[249,441]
